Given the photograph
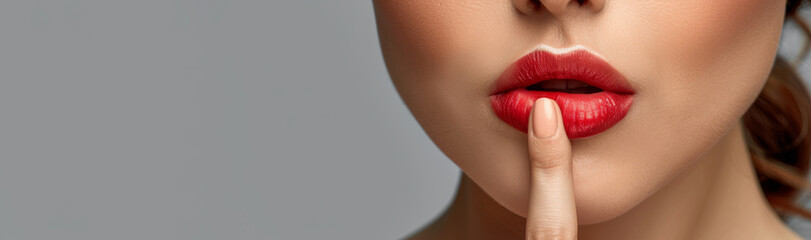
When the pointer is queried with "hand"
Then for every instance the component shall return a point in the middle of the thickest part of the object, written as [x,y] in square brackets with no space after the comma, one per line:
[551,213]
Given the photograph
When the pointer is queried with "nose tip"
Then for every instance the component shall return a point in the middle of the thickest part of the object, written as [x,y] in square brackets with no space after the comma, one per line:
[557,7]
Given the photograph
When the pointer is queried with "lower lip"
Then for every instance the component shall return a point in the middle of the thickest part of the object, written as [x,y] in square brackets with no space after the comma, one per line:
[583,114]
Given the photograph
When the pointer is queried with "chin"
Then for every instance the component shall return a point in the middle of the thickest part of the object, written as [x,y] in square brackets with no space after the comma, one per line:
[595,204]
[607,184]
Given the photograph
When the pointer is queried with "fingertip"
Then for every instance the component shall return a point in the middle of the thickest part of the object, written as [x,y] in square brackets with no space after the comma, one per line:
[549,146]
[544,118]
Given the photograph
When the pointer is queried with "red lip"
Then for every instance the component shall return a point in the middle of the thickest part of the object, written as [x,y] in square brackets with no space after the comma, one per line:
[583,114]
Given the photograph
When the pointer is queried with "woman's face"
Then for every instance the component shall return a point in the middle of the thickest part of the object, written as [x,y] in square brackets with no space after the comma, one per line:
[695,67]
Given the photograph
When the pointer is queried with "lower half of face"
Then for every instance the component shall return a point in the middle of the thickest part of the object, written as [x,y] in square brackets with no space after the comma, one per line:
[695,67]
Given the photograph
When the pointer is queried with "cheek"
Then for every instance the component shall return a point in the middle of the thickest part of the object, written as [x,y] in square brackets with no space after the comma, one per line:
[723,50]
[431,36]
[442,56]
[437,45]
[412,31]
[712,60]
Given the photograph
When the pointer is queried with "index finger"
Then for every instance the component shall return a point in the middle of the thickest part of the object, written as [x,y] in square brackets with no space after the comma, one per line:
[551,199]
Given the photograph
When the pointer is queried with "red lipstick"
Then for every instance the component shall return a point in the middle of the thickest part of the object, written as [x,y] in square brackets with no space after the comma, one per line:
[592,95]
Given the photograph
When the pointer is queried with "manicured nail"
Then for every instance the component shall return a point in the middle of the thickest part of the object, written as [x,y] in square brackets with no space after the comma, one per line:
[545,122]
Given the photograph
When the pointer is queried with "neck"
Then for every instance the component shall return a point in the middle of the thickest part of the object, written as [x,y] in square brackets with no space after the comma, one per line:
[717,197]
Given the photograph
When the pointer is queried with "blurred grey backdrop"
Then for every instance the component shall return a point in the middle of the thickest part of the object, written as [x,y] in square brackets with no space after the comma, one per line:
[204,119]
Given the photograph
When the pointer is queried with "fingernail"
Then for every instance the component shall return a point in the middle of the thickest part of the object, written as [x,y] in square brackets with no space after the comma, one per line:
[545,122]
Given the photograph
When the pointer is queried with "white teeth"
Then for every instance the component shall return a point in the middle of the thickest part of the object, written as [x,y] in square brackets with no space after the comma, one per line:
[554,84]
[575,84]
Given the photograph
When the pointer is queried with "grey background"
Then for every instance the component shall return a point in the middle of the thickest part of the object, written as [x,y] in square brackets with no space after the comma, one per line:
[181,119]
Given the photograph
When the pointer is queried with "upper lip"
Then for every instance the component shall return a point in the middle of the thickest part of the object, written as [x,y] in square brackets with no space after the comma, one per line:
[580,64]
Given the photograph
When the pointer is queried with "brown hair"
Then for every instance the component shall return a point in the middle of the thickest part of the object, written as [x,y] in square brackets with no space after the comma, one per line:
[777,129]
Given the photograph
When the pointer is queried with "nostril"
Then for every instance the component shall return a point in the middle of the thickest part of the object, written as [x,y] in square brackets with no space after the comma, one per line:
[536,4]
[555,7]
